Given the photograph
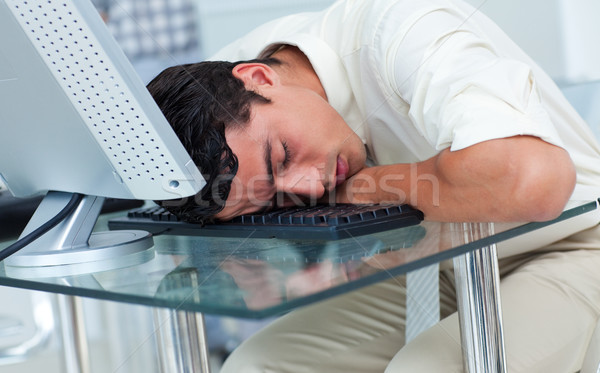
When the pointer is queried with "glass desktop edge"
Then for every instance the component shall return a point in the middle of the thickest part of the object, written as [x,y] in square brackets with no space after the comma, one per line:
[184,305]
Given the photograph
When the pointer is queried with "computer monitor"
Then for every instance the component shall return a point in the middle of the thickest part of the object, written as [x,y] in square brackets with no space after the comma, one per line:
[77,119]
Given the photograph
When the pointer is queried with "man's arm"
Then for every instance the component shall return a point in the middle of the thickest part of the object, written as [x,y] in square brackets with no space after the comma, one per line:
[519,178]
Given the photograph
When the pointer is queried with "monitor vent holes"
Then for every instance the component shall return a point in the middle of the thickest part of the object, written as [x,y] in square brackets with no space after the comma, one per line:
[99,95]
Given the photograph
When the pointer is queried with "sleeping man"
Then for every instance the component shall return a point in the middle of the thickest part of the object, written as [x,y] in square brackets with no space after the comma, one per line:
[421,102]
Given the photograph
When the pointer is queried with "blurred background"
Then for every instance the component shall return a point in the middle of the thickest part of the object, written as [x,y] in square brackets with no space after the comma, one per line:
[561,35]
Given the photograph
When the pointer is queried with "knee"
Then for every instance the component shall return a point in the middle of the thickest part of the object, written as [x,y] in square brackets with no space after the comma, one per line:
[437,349]
[249,357]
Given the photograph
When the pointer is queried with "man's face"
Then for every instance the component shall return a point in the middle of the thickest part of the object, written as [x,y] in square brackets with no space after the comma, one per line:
[295,149]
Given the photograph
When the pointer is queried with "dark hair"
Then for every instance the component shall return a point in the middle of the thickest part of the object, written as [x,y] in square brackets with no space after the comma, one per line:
[200,101]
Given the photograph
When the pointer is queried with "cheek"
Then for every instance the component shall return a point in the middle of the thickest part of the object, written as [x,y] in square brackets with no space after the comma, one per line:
[252,192]
[244,200]
[258,194]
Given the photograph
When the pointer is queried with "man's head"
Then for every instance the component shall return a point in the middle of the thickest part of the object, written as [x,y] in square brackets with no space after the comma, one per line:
[200,101]
[259,138]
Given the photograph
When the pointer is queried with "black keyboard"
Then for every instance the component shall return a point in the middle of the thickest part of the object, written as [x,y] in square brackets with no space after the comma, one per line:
[324,222]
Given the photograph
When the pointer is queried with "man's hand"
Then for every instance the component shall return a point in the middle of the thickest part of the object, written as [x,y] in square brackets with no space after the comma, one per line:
[519,178]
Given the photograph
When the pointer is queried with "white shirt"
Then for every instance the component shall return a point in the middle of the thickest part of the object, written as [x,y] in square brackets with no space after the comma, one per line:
[412,77]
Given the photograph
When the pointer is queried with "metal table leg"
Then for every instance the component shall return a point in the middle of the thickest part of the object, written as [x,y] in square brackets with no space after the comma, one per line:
[181,341]
[77,359]
[478,297]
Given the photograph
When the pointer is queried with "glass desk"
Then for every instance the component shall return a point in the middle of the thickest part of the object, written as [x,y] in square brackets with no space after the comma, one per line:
[257,278]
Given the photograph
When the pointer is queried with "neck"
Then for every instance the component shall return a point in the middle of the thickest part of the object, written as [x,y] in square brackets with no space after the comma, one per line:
[297,70]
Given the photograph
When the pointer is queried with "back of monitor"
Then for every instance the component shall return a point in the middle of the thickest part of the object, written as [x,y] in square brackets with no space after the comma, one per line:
[76,119]
[75,116]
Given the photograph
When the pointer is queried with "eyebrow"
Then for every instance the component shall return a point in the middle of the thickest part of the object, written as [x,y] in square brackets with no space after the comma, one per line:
[267,157]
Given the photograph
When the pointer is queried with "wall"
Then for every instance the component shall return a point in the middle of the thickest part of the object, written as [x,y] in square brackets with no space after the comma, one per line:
[561,35]
[224,21]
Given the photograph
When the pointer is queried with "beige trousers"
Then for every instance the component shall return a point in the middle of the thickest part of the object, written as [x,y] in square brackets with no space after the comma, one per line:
[550,305]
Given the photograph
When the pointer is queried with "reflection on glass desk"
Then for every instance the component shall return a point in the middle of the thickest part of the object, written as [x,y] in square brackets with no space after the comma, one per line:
[255,278]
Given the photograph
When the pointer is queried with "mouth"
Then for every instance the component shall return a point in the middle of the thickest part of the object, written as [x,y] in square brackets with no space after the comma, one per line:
[341,171]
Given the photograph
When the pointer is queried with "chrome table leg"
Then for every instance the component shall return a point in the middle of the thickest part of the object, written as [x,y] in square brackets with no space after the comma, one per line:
[478,296]
[181,341]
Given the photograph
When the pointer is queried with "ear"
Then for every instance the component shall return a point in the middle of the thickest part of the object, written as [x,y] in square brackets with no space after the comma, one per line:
[256,76]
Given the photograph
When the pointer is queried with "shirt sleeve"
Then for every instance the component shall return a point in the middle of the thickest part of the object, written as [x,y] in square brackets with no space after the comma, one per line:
[462,89]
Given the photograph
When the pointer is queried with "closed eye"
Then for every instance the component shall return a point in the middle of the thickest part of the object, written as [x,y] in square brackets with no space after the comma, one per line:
[287,154]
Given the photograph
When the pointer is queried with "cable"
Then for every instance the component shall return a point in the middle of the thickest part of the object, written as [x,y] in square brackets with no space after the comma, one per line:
[43,229]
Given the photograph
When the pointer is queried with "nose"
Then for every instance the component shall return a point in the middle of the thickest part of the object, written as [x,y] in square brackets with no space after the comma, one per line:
[305,183]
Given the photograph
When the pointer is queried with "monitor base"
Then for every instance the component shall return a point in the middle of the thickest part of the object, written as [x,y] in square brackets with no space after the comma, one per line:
[72,240]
